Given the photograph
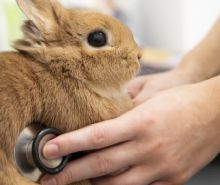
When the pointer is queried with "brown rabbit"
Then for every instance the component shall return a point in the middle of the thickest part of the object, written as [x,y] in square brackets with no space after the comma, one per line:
[69,71]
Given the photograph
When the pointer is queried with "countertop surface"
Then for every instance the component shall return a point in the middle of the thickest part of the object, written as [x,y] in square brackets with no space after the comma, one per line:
[208,176]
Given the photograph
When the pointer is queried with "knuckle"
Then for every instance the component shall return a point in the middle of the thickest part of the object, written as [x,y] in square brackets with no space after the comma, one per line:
[98,137]
[147,126]
[142,125]
[151,123]
[65,177]
[102,164]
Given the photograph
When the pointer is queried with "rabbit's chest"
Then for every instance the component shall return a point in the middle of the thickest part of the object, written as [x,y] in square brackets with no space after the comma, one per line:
[70,113]
[71,106]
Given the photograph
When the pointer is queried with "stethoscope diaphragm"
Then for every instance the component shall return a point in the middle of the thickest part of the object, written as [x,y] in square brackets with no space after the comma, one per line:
[28,153]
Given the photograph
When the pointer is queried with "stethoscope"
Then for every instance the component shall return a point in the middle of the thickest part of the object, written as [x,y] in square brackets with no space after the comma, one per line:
[28,156]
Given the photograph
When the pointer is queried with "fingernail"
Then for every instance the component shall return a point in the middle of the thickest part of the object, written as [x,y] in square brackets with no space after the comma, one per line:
[51,181]
[51,151]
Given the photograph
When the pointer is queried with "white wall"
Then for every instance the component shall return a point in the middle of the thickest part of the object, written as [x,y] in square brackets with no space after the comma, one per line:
[132,9]
[199,17]
[177,25]
[3,30]
[162,26]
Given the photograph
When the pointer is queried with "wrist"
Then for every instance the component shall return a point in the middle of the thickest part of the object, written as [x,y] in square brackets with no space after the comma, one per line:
[183,75]
[190,70]
[196,67]
[211,104]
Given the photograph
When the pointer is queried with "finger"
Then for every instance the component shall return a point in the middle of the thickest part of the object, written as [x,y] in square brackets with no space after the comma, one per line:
[137,175]
[143,96]
[98,164]
[140,98]
[146,94]
[94,137]
[135,86]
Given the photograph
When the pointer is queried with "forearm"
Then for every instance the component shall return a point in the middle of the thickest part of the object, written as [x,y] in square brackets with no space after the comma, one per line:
[211,91]
[203,61]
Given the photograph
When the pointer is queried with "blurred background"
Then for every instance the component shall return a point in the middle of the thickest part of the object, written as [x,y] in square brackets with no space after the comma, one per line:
[164,29]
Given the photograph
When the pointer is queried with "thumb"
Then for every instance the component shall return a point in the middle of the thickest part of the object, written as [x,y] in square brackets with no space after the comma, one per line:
[135,86]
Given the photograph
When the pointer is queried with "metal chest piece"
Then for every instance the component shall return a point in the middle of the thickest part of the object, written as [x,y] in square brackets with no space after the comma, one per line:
[28,153]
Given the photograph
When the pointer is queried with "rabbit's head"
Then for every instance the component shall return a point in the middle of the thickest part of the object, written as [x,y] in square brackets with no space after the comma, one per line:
[91,47]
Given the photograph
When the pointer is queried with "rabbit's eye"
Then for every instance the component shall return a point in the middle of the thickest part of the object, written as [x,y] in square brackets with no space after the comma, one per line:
[97,39]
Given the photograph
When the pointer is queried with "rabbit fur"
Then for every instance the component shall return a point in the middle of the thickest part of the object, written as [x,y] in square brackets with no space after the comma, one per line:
[56,78]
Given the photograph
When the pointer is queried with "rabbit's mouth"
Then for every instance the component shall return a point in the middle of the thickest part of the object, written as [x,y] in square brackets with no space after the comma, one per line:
[133,64]
[108,92]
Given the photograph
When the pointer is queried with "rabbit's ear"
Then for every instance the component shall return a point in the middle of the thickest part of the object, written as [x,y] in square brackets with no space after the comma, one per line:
[45,14]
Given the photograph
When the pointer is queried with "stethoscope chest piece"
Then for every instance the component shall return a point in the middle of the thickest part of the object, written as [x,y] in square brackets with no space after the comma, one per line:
[28,153]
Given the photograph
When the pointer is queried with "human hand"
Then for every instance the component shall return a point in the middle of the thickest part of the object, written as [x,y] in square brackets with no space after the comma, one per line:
[163,141]
[144,87]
